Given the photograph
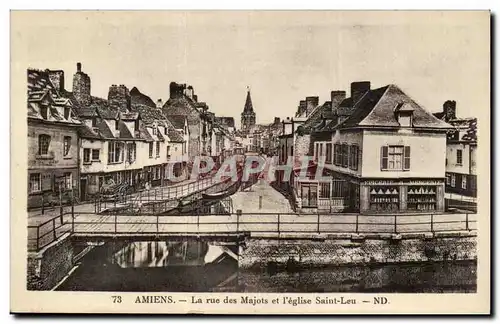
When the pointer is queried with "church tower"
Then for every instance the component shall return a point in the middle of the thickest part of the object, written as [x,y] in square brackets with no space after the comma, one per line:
[248,115]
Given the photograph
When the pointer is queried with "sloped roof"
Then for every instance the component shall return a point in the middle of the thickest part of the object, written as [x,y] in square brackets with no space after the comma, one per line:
[178,121]
[470,126]
[86,132]
[228,121]
[315,118]
[148,114]
[39,81]
[137,97]
[376,109]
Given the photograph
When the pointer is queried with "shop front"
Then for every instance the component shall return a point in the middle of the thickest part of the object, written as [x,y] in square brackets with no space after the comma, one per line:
[402,196]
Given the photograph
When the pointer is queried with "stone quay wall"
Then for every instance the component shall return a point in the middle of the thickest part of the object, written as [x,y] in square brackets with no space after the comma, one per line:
[352,249]
[49,266]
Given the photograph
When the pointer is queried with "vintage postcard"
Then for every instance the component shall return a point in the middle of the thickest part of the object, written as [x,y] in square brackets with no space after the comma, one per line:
[242,162]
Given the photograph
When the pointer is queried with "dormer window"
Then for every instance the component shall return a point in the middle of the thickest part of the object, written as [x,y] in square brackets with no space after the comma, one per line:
[67,113]
[116,125]
[43,112]
[404,114]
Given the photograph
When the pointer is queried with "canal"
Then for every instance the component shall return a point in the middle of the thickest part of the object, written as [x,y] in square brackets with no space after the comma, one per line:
[193,266]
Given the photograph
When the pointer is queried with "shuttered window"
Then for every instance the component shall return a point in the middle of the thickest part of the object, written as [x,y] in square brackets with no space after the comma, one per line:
[345,155]
[354,157]
[328,153]
[395,158]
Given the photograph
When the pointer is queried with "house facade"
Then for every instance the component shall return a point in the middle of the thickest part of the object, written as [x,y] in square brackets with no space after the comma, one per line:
[53,143]
[380,152]
[461,152]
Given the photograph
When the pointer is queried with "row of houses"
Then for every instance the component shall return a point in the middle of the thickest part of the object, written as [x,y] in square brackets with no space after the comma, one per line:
[78,143]
[376,151]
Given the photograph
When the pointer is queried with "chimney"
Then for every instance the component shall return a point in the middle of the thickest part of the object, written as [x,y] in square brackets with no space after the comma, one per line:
[57,79]
[358,89]
[311,103]
[159,103]
[337,96]
[302,107]
[450,109]
[78,67]
[276,120]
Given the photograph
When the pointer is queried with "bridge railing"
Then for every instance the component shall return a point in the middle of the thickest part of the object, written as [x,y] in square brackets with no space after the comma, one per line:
[258,224]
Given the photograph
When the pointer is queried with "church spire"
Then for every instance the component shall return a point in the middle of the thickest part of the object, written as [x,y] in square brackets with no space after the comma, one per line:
[248,115]
[248,103]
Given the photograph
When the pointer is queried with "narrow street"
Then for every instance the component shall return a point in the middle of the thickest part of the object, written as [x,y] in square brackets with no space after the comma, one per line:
[250,201]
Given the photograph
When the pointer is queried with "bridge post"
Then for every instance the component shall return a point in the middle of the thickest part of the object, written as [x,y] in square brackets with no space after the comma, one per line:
[432,222]
[467,221]
[238,214]
[395,224]
[318,223]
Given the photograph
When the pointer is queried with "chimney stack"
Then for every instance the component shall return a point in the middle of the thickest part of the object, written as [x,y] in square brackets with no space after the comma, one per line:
[78,67]
[159,103]
[358,89]
[450,110]
[311,103]
[276,120]
[336,97]
[302,107]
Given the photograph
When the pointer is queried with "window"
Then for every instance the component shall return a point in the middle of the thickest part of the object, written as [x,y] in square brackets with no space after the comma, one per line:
[291,150]
[345,155]
[35,184]
[316,151]
[395,158]
[131,152]
[116,125]
[66,145]
[68,180]
[421,198]
[309,195]
[43,144]
[66,112]
[115,152]
[168,151]
[94,122]
[464,181]
[320,156]
[154,130]
[328,153]
[86,155]
[459,157]
[453,180]
[353,157]
[157,149]
[337,156]
[44,112]
[96,155]
[150,150]
[448,179]
[384,198]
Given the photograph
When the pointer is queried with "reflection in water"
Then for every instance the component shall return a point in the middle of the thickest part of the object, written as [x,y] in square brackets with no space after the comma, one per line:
[162,254]
[192,266]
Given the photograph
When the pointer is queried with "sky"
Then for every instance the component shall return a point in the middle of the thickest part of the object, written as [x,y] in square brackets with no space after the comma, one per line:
[282,56]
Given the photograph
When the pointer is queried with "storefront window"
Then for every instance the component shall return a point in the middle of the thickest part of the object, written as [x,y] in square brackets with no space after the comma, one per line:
[384,198]
[421,198]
